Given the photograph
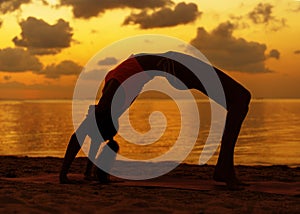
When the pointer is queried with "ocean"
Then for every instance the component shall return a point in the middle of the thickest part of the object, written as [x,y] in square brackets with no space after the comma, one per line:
[270,134]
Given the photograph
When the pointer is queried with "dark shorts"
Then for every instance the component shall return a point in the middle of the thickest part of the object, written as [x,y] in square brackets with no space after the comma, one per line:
[107,123]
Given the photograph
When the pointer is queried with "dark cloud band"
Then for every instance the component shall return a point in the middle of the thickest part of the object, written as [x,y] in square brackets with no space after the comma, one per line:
[165,17]
[91,8]
[64,68]
[18,60]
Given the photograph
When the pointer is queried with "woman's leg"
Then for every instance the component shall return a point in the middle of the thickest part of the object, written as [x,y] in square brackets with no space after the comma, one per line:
[106,160]
[73,148]
[94,147]
[87,128]
[109,124]
[237,101]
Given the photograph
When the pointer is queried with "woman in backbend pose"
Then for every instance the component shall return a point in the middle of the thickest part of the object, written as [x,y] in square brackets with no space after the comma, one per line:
[237,101]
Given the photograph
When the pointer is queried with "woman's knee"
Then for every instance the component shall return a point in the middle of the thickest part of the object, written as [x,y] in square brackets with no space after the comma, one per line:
[246,97]
[243,102]
[240,103]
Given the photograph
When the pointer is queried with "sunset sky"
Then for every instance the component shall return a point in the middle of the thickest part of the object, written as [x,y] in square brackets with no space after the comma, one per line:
[44,44]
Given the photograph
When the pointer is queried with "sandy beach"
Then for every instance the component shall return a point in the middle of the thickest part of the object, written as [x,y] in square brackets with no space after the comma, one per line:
[30,185]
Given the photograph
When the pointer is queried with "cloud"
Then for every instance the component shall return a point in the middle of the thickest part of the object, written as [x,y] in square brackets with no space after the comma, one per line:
[262,14]
[21,86]
[95,74]
[231,53]
[94,31]
[165,17]
[11,5]
[297,52]
[87,9]
[12,85]
[66,67]
[295,9]
[41,38]
[18,90]
[108,61]
[274,54]
[18,60]
[6,77]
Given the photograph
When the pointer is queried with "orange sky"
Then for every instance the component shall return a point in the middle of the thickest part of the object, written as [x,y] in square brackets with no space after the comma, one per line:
[44,44]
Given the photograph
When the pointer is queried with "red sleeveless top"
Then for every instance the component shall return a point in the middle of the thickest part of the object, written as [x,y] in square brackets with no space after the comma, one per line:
[125,70]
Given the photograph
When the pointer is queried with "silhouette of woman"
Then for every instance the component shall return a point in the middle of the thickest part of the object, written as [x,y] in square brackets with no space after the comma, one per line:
[237,101]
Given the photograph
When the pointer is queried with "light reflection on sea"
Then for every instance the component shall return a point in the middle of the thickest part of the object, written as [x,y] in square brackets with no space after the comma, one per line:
[270,134]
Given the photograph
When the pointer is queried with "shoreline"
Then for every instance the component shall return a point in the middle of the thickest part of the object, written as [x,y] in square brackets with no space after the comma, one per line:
[83,156]
[21,195]
[44,165]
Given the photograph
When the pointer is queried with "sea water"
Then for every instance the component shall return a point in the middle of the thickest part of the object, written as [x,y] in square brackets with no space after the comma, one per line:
[270,134]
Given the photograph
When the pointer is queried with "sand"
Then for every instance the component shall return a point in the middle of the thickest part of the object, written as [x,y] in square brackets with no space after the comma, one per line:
[30,185]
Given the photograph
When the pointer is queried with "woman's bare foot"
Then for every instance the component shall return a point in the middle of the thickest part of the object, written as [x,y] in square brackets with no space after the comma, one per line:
[234,179]
[232,182]
[63,179]
[102,176]
[90,177]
